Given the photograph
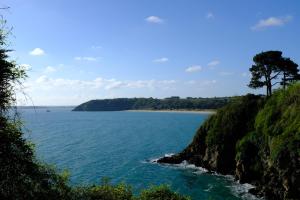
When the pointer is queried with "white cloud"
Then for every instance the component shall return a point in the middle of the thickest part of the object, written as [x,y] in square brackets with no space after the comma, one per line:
[42,79]
[46,90]
[154,19]
[44,82]
[161,60]
[191,82]
[194,68]
[115,85]
[245,74]
[210,15]
[210,82]
[96,47]
[201,83]
[26,67]
[49,69]
[226,73]
[37,52]
[271,21]
[213,63]
[86,58]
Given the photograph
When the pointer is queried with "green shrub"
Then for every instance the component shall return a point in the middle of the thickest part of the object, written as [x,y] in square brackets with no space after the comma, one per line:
[279,121]
[160,193]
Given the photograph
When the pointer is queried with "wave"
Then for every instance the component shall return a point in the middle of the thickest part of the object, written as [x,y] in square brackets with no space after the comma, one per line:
[154,160]
[187,165]
[242,190]
[238,189]
[169,154]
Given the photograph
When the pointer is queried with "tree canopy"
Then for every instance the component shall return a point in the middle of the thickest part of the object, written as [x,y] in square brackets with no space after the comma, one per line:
[270,66]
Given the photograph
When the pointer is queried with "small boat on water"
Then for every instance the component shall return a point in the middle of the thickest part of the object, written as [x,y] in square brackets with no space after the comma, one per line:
[48,111]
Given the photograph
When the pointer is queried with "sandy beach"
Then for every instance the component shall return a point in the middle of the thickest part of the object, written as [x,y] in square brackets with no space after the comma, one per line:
[177,111]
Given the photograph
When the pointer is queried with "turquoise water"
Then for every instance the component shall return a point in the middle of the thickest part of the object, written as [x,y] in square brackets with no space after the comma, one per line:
[119,145]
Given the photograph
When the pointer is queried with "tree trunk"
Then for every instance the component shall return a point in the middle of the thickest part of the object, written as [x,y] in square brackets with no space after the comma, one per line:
[284,80]
[269,86]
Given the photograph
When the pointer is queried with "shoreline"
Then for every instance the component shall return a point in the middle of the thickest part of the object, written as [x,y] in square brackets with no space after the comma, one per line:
[176,111]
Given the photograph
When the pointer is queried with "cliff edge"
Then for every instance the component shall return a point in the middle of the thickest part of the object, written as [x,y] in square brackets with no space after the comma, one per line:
[255,139]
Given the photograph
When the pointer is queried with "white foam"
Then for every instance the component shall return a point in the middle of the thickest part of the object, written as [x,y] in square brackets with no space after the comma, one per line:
[242,190]
[186,165]
[183,165]
[238,189]
[154,160]
[169,154]
[210,186]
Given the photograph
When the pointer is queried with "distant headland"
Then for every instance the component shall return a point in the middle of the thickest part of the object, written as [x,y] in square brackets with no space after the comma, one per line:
[169,104]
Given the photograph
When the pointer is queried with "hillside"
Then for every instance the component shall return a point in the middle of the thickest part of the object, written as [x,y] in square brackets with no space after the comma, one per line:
[255,139]
[172,103]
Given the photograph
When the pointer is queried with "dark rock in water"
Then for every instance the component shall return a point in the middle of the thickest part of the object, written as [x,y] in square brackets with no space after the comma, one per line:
[170,159]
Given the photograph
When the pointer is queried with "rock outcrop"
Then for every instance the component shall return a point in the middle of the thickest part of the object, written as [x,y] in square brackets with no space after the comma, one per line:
[255,139]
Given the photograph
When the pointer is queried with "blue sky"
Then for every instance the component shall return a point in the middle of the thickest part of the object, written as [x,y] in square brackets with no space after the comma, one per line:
[81,50]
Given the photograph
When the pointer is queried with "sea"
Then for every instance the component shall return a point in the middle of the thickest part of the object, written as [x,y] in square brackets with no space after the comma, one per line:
[122,146]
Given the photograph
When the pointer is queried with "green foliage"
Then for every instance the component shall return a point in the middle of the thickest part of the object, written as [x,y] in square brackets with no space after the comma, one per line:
[107,191]
[10,73]
[160,193]
[233,121]
[249,150]
[104,191]
[250,143]
[153,104]
[280,121]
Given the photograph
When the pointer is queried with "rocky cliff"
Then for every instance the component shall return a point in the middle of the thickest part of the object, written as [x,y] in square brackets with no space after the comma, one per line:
[255,139]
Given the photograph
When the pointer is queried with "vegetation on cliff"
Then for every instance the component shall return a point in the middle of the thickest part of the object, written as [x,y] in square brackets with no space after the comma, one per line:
[171,103]
[275,145]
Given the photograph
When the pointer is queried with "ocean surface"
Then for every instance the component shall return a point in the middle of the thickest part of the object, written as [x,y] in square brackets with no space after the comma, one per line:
[121,146]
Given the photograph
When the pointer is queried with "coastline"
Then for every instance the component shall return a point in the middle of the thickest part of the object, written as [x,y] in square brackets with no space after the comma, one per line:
[204,111]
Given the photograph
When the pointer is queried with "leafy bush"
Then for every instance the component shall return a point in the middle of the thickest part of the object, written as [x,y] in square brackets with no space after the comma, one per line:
[160,193]
[104,191]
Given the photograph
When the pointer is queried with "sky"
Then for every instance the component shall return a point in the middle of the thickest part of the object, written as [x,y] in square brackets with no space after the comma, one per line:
[79,50]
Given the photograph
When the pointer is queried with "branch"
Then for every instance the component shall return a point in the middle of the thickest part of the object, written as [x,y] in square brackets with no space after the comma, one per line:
[275,76]
[275,83]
